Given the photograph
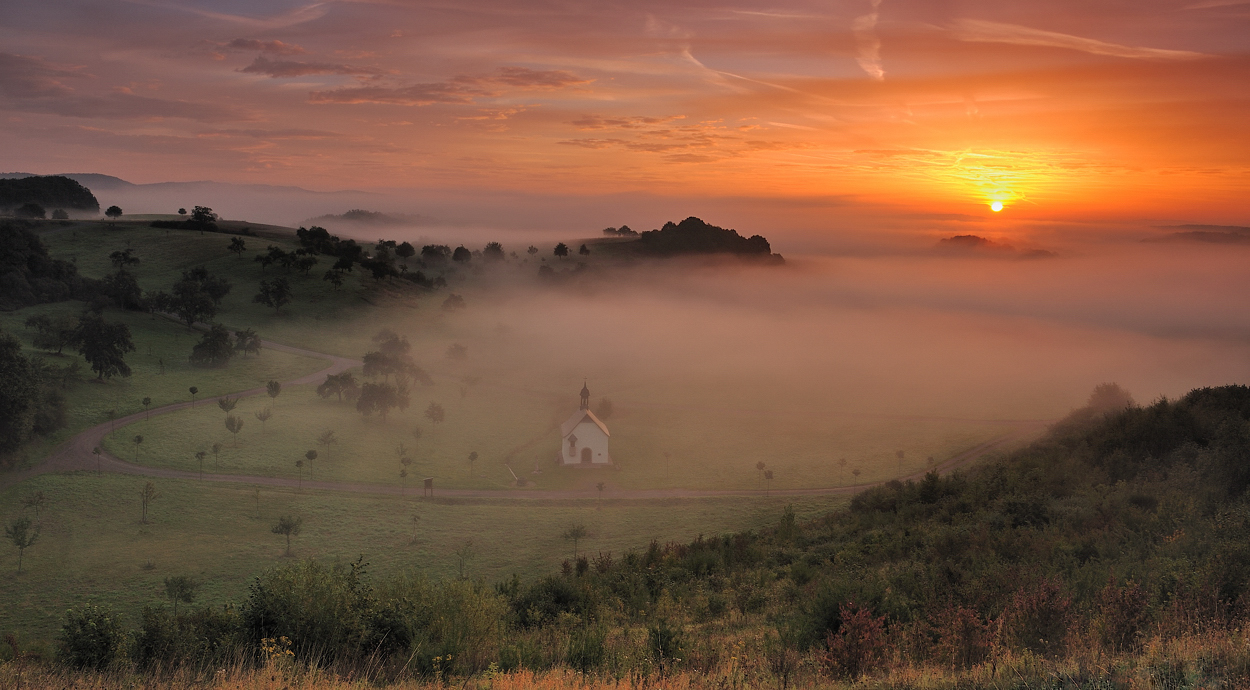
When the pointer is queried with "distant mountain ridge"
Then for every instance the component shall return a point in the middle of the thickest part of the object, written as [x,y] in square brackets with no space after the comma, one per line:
[260,203]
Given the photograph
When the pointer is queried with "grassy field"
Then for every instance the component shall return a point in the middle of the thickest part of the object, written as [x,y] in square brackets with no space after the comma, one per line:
[681,420]
[92,546]
[160,371]
[517,428]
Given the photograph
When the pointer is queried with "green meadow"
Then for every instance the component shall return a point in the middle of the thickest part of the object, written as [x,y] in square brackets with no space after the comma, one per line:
[92,546]
[703,430]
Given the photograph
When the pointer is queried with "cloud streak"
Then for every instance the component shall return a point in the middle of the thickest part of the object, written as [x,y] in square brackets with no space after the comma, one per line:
[457,90]
[868,43]
[977,30]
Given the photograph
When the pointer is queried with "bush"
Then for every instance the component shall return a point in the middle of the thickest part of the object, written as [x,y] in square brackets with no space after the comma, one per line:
[1037,619]
[1120,615]
[585,652]
[202,637]
[963,639]
[859,644]
[214,349]
[665,643]
[92,638]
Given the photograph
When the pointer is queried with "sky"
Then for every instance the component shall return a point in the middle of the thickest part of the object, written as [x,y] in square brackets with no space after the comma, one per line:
[807,112]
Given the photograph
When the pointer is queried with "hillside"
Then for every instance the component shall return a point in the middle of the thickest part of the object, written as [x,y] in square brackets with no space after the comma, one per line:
[1111,553]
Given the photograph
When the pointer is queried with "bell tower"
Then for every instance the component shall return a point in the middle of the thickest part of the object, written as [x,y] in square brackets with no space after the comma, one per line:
[585,397]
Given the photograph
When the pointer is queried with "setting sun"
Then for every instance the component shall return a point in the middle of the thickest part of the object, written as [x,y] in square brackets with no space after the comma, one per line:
[996,206]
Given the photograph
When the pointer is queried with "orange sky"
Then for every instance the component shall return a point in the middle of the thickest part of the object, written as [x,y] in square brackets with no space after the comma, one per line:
[1061,110]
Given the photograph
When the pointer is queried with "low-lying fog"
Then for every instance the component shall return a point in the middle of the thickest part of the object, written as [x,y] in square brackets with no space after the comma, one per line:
[979,337]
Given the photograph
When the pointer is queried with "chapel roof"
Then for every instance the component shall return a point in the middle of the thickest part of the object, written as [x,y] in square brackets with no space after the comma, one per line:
[568,427]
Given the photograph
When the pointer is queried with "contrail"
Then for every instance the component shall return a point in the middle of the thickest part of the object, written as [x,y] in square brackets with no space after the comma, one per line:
[865,28]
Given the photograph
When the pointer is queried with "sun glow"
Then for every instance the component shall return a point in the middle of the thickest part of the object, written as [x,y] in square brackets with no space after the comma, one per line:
[996,206]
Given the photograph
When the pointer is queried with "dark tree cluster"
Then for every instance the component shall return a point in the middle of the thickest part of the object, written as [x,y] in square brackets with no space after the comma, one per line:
[31,399]
[29,276]
[195,297]
[214,349]
[202,219]
[693,236]
[47,191]
[623,231]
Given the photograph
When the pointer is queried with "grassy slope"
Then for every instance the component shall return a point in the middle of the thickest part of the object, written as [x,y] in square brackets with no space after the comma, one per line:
[93,548]
[156,340]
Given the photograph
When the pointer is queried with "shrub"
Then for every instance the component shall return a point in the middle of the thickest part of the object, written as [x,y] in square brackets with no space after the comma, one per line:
[1037,618]
[585,651]
[92,638]
[665,643]
[963,639]
[859,644]
[201,637]
[1120,615]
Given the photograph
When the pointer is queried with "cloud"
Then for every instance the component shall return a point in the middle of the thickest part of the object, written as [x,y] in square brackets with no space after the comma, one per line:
[977,30]
[283,69]
[588,122]
[869,58]
[274,47]
[537,79]
[457,90]
[31,77]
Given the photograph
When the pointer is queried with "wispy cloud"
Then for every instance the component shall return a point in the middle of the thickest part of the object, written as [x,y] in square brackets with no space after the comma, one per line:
[273,47]
[994,32]
[299,15]
[869,45]
[461,89]
[281,69]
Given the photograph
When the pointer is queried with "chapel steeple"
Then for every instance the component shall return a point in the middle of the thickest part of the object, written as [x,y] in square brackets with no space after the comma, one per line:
[585,397]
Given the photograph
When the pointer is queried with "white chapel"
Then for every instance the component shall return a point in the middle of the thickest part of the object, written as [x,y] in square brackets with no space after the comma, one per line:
[584,437]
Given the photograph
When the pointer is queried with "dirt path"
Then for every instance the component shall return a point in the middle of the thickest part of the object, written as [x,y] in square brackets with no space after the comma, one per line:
[76,455]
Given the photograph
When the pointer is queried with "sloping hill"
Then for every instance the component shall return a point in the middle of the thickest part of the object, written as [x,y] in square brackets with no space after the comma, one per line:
[50,192]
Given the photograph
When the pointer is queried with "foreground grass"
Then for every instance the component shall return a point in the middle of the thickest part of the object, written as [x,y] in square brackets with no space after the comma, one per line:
[92,546]
[1212,660]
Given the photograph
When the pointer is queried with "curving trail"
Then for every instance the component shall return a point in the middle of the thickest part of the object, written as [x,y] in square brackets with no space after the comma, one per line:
[76,455]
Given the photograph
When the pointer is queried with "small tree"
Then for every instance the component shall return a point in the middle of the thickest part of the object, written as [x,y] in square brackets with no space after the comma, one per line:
[237,246]
[463,555]
[276,294]
[288,527]
[759,467]
[575,533]
[227,404]
[199,456]
[334,278]
[435,413]
[97,453]
[214,348]
[472,459]
[262,417]
[856,472]
[768,481]
[326,439]
[561,250]
[180,588]
[216,448]
[584,250]
[137,440]
[20,534]
[113,212]
[247,341]
[273,388]
[299,467]
[182,211]
[532,250]
[147,402]
[193,390]
[146,495]
[36,501]
[601,486]
[234,425]
[104,345]
[310,456]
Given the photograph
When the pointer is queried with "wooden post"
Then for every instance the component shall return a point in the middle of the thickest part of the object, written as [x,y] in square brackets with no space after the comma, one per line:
[429,487]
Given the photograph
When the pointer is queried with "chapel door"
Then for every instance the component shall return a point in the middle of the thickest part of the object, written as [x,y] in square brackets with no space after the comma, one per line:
[586,454]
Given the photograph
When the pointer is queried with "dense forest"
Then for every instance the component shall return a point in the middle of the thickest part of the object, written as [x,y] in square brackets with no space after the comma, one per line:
[29,276]
[49,192]
[1124,527]
[694,236]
